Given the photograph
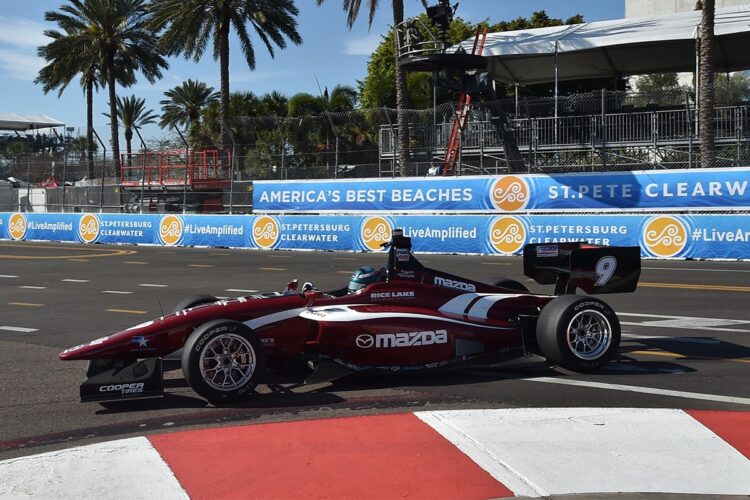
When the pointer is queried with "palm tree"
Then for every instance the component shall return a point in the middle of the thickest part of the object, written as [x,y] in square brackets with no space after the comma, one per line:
[117,34]
[185,103]
[351,7]
[189,25]
[707,96]
[132,113]
[69,54]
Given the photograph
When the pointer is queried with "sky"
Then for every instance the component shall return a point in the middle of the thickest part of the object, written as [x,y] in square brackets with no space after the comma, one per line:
[330,54]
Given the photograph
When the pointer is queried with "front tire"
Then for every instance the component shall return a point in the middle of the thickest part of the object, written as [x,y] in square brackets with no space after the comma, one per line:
[222,361]
[577,332]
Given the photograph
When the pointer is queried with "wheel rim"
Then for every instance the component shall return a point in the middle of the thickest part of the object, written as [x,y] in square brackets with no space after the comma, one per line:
[227,362]
[589,335]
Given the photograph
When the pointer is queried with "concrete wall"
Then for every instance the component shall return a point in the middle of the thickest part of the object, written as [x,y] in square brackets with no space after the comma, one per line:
[643,8]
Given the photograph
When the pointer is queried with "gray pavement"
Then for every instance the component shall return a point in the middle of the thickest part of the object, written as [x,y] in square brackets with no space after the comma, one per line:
[686,341]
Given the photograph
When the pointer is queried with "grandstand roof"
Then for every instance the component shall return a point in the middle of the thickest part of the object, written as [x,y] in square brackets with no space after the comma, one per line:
[659,44]
[14,121]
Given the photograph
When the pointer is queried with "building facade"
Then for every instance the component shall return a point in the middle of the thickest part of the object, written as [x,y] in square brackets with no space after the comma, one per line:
[645,8]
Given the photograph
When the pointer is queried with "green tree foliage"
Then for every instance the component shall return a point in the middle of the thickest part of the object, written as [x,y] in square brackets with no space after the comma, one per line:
[190,25]
[377,88]
[116,35]
[184,103]
[72,51]
[132,113]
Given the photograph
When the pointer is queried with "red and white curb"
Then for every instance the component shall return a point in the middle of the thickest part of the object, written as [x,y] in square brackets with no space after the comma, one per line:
[446,454]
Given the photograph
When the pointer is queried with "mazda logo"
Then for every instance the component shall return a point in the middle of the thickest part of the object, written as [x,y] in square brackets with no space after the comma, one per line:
[365,341]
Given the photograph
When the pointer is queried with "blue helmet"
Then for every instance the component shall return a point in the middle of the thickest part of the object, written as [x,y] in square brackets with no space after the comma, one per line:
[363,277]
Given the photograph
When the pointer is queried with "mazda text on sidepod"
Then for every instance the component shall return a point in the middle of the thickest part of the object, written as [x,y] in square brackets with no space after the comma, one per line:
[403,317]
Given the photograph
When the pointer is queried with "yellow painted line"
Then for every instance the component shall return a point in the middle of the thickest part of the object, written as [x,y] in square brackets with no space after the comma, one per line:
[279,256]
[495,263]
[220,254]
[135,262]
[674,355]
[271,269]
[343,272]
[79,260]
[25,304]
[686,286]
[126,311]
[344,258]
[665,354]
[101,253]
[200,265]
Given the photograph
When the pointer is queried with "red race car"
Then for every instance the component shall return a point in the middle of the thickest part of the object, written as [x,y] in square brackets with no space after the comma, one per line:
[403,317]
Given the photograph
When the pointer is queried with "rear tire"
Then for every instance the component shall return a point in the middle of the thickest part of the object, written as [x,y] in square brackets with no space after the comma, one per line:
[222,361]
[193,301]
[578,332]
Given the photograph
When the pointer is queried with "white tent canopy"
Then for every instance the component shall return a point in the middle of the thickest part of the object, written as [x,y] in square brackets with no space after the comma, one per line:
[14,121]
[622,47]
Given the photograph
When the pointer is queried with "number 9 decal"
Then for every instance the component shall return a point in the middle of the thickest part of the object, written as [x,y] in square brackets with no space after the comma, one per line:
[605,268]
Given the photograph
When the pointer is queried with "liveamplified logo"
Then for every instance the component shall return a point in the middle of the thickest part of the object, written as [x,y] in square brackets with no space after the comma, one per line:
[510,193]
[88,228]
[170,229]
[265,232]
[17,226]
[375,232]
[665,236]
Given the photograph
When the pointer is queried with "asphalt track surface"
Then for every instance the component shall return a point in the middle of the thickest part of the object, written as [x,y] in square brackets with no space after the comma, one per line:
[686,342]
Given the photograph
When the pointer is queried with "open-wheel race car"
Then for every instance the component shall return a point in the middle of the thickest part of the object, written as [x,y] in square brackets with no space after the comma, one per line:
[403,317]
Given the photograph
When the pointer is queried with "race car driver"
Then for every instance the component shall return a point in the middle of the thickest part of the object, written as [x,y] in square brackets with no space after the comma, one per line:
[360,279]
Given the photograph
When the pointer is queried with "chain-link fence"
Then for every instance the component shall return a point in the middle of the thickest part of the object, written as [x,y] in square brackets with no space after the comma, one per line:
[596,131]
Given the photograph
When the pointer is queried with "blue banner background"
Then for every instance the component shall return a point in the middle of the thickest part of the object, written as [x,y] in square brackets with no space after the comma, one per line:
[708,189]
[703,236]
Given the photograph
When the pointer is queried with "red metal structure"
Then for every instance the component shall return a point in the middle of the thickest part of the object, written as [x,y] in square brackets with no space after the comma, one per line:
[196,170]
[462,112]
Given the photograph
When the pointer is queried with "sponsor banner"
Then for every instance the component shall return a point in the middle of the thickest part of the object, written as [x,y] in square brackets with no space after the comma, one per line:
[204,230]
[709,189]
[116,228]
[303,232]
[703,236]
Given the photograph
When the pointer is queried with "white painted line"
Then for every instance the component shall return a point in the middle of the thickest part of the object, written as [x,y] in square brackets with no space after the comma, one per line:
[239,290]
[153,285]
[557,451]
[692,318]
[667,338]
[642,390]
[7,276]
[687,322]
[655,324]
[71,280]
[697,269]
[18,329]
[128,468]
[117,292]
[30,287]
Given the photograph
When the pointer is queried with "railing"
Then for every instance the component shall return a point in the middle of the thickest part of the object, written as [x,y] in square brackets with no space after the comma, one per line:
[651,128]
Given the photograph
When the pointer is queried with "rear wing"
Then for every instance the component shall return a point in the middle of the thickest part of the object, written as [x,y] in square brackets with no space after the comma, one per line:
[594,269]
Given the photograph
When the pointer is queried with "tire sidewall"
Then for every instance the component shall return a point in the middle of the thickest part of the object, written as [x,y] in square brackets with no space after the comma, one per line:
[191,360]
[552,331]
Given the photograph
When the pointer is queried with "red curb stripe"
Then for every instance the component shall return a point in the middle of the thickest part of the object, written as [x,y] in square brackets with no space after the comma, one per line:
[380,456]
[731,426]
